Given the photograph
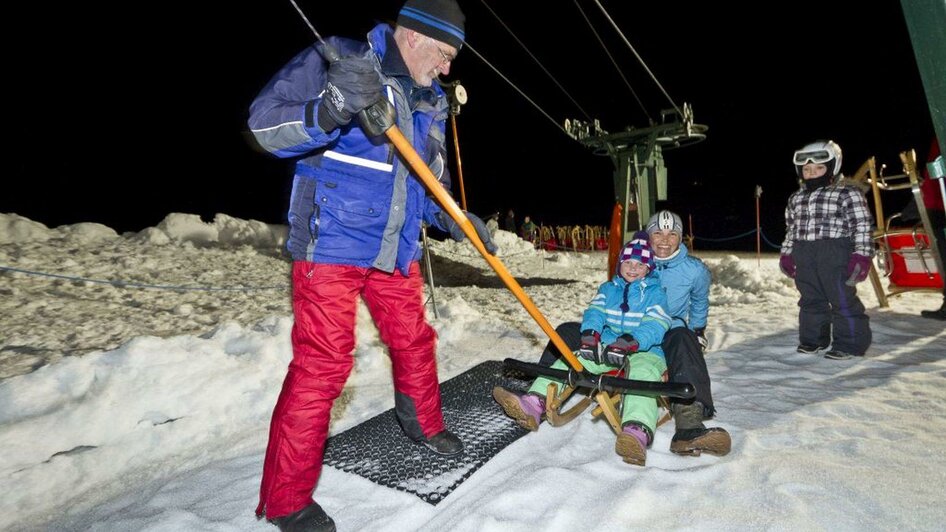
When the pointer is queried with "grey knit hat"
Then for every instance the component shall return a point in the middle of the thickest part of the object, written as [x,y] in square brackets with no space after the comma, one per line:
[438,19]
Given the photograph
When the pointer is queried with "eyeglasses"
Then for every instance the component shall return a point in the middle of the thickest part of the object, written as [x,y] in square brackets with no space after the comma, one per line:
[446,58]
[817,157]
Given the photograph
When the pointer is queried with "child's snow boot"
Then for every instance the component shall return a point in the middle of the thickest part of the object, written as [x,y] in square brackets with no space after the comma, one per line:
[632,444]
[526,410]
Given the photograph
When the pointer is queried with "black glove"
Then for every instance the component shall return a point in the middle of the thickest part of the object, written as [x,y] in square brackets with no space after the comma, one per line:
[615,353]
[457,234]
[590,348]
[701,338]
[353,85]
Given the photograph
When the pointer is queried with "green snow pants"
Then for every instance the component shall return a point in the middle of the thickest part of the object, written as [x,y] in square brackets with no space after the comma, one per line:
[644,366]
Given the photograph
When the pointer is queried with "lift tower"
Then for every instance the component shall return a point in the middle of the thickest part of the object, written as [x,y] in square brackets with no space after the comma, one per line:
[640,177]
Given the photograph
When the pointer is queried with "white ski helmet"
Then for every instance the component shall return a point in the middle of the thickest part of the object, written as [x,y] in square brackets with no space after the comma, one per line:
[826,152]
[665,220]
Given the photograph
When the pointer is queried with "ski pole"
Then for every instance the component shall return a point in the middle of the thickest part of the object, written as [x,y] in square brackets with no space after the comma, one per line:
[380,118]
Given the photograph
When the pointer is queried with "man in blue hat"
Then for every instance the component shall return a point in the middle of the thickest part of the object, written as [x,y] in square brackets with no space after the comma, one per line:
[355,216]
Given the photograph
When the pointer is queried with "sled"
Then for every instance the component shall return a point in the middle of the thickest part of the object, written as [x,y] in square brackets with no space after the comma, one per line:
[605,391]
[907,255]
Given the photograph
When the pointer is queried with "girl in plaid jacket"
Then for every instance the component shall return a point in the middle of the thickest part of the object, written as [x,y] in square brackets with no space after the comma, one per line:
[827,250]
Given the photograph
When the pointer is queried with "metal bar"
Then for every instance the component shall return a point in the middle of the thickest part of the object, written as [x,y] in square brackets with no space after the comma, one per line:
[680,390]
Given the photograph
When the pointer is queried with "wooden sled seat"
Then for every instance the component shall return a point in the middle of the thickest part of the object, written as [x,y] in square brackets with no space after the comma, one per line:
[607,404]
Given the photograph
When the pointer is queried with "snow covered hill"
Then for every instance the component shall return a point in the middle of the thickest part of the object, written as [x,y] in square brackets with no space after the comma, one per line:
[138,373]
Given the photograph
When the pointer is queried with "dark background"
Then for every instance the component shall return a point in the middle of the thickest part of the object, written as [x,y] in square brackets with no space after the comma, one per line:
[122,117]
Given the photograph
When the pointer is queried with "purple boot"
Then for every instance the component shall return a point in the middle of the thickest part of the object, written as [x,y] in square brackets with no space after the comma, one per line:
[632,444]
[526,409]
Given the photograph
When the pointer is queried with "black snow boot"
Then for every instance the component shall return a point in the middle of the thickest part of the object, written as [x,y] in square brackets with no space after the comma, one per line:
[444,443]
[692,437]
[935,314]
[312,518]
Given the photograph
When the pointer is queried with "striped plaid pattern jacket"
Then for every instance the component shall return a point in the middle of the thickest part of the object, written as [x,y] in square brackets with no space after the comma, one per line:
[838,210]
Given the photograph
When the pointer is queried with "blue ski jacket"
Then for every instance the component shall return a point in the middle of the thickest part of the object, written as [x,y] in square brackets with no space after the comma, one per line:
[353,201]
[687,282]
[646,318]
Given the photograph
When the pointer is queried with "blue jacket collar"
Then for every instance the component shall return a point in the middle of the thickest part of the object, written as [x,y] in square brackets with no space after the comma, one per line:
[676,259]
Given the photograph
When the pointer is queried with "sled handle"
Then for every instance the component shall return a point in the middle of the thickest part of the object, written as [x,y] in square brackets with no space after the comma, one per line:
[604,382]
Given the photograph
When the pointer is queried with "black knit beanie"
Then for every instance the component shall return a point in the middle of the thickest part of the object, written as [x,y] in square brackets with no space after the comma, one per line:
[439,19]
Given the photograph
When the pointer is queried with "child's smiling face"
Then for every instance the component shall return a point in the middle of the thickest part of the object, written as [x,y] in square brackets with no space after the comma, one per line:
[632,270]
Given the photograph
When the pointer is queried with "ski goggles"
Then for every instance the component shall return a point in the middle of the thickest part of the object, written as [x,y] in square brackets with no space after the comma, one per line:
[818,157]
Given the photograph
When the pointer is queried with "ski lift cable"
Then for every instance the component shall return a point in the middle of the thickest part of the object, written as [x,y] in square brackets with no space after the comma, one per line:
[628,43]
[534,58]
[613,61]
[513,85]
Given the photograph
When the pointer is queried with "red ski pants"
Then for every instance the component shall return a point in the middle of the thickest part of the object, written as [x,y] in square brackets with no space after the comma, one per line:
[323,339]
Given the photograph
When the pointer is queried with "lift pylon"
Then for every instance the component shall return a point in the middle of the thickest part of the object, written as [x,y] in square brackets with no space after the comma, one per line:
[640,177]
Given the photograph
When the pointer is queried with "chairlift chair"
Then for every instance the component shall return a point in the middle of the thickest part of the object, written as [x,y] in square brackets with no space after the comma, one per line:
[907,255]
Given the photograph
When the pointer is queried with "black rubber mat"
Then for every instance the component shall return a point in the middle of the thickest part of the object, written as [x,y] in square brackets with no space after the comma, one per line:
[378,450]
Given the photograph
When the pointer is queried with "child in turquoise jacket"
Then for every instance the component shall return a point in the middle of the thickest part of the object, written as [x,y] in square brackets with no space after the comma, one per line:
[621,329]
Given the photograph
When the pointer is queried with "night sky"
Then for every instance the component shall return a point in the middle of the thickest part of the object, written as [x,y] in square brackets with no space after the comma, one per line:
[123,122]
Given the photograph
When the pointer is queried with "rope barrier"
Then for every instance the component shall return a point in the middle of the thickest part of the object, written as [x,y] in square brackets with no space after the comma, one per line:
[128,284]
[747,233]
[441,251]
[770,244]
[741,235]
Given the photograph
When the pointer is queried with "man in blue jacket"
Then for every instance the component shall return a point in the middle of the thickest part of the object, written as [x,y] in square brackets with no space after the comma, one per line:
[686,281]
[355,217]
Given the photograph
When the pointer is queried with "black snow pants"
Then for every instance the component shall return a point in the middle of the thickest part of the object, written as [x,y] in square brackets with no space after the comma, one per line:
[830,313]
[685,363]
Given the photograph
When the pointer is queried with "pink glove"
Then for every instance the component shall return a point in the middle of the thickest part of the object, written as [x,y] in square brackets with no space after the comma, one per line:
[857,269]
[787,264]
